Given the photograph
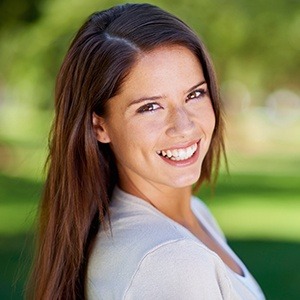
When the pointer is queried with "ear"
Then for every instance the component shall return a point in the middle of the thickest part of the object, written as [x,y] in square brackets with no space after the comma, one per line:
[100,129]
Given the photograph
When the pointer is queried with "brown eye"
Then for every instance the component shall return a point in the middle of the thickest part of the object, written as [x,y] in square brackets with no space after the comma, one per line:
[148,107]
[196,94]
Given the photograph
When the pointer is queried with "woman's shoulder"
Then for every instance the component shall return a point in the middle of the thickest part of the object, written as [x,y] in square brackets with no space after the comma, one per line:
[183,268]
[170,268]
[135,229]
[132,218]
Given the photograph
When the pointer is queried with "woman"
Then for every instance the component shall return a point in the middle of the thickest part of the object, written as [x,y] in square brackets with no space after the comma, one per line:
[138,123]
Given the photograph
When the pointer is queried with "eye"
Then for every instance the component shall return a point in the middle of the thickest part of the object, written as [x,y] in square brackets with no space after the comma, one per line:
[197,94]
[148,107]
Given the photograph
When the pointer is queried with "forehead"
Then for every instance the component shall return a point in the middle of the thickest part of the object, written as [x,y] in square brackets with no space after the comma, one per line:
[162,66]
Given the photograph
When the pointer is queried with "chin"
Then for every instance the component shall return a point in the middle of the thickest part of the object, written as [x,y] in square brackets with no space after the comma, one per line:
[186,181]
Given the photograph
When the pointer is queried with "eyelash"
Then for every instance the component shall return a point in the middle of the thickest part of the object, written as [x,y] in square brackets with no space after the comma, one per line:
[149,107]
[202,93]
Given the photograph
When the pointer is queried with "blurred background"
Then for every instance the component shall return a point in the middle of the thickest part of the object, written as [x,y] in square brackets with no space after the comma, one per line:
[255,46]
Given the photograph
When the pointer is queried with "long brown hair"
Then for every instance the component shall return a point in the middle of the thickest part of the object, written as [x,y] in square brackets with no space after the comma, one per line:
[81,171]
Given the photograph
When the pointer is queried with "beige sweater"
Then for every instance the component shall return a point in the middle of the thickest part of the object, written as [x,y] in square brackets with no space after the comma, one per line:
[149,256]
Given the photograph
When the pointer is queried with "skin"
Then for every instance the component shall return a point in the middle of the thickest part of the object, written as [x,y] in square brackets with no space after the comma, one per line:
[163,104]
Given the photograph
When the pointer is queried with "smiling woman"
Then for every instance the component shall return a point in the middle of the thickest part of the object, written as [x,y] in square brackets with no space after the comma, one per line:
[169,127]
[138,124]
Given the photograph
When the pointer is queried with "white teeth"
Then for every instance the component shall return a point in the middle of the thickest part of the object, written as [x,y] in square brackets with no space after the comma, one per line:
[169,153]
[175,153]
[179,154]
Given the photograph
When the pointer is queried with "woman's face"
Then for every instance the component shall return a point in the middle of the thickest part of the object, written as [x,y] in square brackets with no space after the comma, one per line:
[160,124]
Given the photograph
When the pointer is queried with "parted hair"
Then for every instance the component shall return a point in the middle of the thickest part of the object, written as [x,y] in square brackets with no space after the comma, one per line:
[81,172]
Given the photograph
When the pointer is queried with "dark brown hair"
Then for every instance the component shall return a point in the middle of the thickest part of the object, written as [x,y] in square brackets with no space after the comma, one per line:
[82,171]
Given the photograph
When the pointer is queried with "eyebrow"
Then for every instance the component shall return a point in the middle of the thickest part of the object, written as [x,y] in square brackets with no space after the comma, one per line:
[195,86]
[142,99]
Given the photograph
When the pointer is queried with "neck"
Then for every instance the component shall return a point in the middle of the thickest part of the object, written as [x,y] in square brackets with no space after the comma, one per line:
[172,202]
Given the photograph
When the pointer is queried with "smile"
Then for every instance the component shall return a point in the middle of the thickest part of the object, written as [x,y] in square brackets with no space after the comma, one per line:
[179,154]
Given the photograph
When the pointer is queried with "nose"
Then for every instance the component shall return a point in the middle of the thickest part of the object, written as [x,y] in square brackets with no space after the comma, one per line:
[180,122]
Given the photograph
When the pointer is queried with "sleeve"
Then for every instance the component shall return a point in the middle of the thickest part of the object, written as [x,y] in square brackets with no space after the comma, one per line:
[180,270]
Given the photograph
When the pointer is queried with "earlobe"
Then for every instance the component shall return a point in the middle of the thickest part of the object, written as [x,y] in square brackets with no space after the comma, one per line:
[100,129]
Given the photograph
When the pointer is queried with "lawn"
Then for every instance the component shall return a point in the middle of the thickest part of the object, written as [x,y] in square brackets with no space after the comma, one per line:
[257,205]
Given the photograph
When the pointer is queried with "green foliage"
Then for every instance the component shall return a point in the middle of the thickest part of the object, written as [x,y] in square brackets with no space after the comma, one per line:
[15,13]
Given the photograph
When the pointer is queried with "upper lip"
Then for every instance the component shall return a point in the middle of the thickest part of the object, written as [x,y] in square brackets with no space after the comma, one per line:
[182,145]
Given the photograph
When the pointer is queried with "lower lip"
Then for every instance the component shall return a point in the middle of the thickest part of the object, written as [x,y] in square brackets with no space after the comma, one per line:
[186,162]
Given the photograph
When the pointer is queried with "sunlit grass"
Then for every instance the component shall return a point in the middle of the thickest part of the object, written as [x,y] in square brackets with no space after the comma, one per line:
[259,218]
[259,199]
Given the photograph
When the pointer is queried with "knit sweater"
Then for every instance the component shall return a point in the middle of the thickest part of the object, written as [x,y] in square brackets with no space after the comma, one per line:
[147,255]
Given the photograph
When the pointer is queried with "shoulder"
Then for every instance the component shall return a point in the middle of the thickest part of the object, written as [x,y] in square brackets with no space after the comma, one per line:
[179,268]
[136,232]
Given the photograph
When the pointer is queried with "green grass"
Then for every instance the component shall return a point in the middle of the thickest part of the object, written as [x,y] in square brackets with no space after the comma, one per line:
[15,257]
[257,206]
[265,206]
[274,264]
[18,204]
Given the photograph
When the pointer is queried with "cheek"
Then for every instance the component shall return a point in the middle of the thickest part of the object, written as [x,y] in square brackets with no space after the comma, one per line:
[146,129]
[133,138]
[206,120]
[212,121]
[210,118]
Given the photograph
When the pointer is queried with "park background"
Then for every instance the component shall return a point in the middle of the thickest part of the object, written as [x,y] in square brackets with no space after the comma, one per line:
[255,46]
